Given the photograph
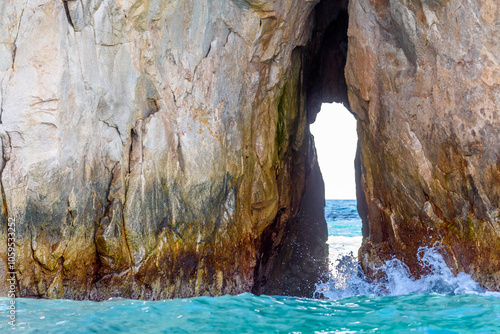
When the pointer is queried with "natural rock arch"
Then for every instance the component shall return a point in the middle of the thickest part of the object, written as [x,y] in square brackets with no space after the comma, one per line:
[162,150]
[295,264]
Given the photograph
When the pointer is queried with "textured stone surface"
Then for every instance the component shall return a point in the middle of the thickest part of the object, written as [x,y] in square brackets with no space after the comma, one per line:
[151,148]
[156,149]
[424,80]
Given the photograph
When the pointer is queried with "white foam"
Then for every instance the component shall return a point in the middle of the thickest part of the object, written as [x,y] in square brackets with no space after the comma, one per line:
[340,246]
[347,279]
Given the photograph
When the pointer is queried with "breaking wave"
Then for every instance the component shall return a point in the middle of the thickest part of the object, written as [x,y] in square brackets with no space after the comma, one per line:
[347,279]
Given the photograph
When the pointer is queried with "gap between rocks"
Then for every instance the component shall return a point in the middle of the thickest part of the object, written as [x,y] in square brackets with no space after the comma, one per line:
[292,254]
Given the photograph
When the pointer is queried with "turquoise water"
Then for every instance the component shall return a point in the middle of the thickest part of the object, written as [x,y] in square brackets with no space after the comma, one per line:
[438,303]
[246,313]
[342,218]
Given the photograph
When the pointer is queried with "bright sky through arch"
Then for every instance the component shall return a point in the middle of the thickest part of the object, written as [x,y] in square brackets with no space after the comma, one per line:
[335,136]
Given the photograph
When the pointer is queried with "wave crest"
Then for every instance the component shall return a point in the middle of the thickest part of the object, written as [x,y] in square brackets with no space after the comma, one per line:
[347,279]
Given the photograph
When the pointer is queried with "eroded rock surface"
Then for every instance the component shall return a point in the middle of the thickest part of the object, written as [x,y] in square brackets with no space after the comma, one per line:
[424,80]
[155,149]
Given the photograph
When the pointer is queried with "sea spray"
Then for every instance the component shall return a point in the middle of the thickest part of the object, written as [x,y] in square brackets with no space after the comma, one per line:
[347,279]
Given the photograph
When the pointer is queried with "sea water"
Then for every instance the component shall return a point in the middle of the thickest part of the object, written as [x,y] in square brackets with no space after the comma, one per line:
[437,303]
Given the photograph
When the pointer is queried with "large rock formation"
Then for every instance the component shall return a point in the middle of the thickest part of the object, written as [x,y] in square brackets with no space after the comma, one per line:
[157,149]
[424,80]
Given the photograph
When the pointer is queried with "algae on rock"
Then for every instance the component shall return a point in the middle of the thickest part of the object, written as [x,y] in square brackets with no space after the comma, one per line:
[144,152]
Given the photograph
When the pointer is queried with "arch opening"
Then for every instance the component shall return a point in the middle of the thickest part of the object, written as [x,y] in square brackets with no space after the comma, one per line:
[336,141]
[293,249]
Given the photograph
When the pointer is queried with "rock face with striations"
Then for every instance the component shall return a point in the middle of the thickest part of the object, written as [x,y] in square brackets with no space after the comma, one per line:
[157,149]
[424,80]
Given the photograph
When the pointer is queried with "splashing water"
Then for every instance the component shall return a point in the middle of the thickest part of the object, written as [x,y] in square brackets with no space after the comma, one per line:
[346,279]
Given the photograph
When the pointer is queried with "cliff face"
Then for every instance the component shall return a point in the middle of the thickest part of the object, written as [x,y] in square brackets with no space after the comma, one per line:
[424,80]
[157,149]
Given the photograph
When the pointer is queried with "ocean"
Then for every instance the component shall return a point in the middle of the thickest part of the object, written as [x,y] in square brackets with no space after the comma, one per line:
[437,303]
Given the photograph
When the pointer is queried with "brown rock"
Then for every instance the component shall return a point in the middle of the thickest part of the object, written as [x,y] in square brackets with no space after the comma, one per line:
[423,79]
[151,149]
[156,149]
